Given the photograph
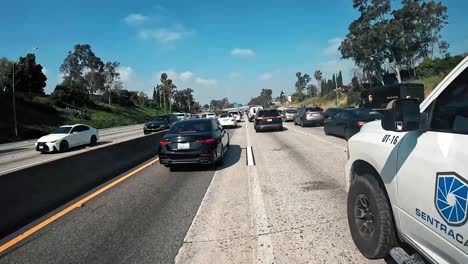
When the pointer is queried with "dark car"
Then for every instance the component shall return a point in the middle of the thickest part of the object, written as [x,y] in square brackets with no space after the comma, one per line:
[268,120]
[195,141]
[332,111]
[307,116]
[348,122]
[159,123]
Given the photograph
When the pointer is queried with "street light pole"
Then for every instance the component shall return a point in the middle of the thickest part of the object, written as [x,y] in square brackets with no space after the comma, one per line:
[336,90]
[14,103]
[15,123]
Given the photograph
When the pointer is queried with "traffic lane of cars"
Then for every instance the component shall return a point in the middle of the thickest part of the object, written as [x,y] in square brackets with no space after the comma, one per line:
[142,220]
[18,160]
[302,184]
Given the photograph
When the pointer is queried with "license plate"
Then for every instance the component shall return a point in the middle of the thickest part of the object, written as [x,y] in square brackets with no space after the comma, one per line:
[269,120]
[183,145]
[315,114]
[40,147]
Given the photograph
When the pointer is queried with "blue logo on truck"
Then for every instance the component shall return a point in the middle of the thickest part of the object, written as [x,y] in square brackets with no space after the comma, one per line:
[451,197]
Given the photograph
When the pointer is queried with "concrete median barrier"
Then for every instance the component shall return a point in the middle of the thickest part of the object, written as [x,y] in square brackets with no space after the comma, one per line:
[28,194]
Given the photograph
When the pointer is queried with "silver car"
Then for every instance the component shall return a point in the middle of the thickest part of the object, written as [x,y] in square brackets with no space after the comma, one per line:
[289,114]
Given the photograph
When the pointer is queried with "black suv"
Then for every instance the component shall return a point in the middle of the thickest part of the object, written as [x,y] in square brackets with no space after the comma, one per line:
[268,120]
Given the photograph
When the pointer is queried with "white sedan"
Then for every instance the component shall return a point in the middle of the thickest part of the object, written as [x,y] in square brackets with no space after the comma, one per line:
[66,137]
[227,120]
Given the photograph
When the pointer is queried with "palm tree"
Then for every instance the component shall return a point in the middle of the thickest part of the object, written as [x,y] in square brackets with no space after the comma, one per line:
[318,77]
[163,80]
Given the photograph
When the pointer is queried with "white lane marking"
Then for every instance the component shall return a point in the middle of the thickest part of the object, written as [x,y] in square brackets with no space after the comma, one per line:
[319,139]
[34,163]
[250,160]
[197,215]
[260,220]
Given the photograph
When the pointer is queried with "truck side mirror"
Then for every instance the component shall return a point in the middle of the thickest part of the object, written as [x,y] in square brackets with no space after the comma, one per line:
[402,115]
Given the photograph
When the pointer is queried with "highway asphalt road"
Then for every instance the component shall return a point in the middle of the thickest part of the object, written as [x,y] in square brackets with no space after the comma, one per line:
[19,155]
[290,207]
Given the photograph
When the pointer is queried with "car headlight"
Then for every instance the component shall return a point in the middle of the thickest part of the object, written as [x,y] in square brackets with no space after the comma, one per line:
[53,141]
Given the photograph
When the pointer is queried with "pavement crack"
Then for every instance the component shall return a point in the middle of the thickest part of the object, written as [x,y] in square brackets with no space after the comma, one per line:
[263,233]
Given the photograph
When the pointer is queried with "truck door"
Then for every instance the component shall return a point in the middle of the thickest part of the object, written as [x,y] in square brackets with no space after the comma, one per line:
[432,175]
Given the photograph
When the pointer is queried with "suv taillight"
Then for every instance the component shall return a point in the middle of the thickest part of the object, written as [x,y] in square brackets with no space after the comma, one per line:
[360,123]
[207,140]
[164,142]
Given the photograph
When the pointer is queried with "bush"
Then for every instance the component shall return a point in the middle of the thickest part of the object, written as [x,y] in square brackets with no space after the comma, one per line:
[64,94]
[438,66]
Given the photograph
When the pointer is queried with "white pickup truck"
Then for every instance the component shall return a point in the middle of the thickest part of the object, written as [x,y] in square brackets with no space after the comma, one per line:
[407,178]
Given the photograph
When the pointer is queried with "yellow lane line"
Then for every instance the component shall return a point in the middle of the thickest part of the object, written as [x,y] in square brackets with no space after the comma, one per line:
[78,204]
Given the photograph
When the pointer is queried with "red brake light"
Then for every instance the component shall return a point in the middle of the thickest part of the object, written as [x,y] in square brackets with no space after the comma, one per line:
[208,140]
[360,123]
[233,120]
[164,142]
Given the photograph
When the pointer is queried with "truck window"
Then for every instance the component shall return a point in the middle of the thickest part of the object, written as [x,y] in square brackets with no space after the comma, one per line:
[451,107]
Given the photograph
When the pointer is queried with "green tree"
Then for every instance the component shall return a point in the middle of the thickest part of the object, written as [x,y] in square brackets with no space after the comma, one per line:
[339,80]
[301,83]
[29,76]
[394,38]
[318,77]
[312,90]
[69,92]
[6,70]
[84,68]
[111,78]
[282,97]
[141,99]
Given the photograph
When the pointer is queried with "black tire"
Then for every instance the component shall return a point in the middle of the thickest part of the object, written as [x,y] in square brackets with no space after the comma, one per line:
[220,160]
[373,230]
[93,140]
[172,168]
[64,146]
[302,124]
[326,131]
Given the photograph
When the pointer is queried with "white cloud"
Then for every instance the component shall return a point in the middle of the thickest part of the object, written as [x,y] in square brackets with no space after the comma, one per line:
[265,77]
[60,77]
[135,19]
[234,75]
[333,45]
[187,79]
[331,67]
[44,71]
[187,75]
[126,74]
[205,82]
[165,35]
[243,53]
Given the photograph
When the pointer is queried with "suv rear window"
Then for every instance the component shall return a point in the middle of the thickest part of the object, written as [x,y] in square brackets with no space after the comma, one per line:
[290,111]
[191,127]
[266,113]
[314,109]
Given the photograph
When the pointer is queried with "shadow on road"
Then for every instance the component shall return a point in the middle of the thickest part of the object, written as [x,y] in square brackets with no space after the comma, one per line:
[271,130]
[78,148]
[7,151]
[231,157]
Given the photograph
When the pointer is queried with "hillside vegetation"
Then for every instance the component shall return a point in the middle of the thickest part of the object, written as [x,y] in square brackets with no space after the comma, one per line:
[430,73]
[37,116]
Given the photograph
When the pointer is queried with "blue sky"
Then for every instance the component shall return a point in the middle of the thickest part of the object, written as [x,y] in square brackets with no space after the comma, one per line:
[219,48]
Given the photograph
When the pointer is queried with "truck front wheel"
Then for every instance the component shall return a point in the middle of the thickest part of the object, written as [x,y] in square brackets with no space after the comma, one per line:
[370,218]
